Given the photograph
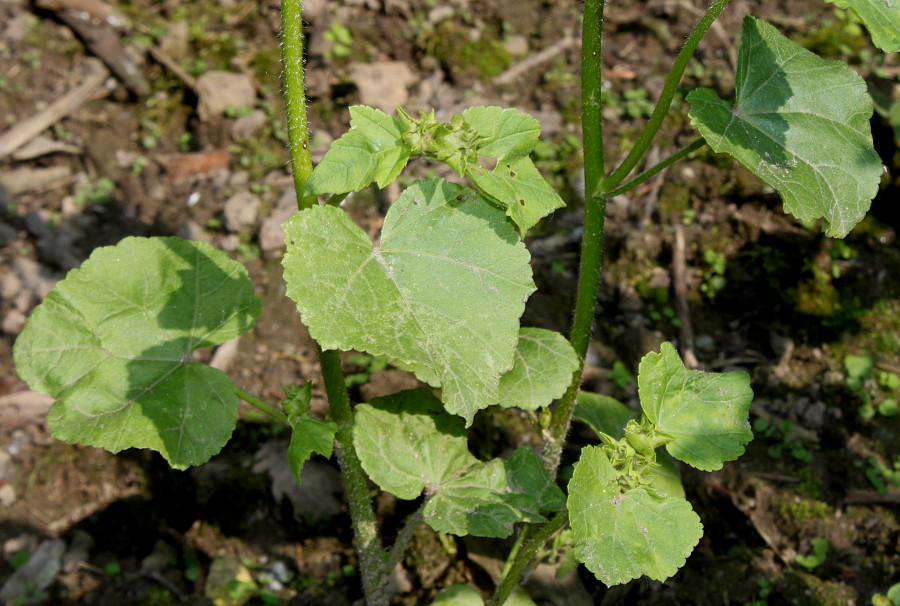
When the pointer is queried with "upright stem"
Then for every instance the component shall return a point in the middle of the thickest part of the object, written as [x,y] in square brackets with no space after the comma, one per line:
[665,100]
[295,96]
[365,529]
[594,224]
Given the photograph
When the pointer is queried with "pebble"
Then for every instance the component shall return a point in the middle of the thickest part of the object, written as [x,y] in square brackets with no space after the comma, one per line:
[271,236]
[7,495]
[383,84]
[218,90]
[240,211]
[8,234]
[247,127]
[13,322]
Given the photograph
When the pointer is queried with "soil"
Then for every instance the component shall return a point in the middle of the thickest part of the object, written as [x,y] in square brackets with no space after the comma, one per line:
[146,155]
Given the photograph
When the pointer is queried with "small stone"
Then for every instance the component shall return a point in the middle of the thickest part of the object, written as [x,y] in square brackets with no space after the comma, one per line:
[217,91]
[517,46]
[382,84]
[240,211]
[176,41]
[191,231]
[271,236]
[34,277]
[7,495]
[247,127]
[13,322]
[229,243]
[10,285]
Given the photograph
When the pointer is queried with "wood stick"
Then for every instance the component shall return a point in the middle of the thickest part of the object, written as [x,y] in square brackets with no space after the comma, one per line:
[26,130]
[529,63]
[679,283]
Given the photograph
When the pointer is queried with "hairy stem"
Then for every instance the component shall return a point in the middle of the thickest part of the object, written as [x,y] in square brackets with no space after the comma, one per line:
[404,537]
[264,406]
[675,157]
[526,555]
[295,97]
[665,99]
[365,528]
[594,224]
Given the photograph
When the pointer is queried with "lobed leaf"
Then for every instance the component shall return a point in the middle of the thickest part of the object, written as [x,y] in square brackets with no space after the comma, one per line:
[800,123]
[705,414]
[113,344]
[408,445]
[371,151]
[518,186]
[882,19]
[622,536]
[505,133]
[543,368]
[309,435]
[440,294]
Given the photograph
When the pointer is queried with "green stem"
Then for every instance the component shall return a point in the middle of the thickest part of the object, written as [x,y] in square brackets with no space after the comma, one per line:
[665,99]
[594,224]
[678,155]
[365,528]
[264,406]
[295,97]
[406,534]
[362,516]
[526,555]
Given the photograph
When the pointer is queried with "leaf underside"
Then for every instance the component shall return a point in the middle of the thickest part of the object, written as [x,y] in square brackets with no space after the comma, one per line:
[800,123]
[440,294]
[113,344]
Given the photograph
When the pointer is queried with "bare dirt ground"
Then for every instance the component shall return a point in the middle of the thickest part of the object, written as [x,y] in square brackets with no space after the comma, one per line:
[172,124]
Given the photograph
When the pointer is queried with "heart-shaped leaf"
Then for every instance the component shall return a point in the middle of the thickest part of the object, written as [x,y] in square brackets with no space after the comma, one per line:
[706,414]
[113,344]
[800,123]
[543,368]
[622,536]
[440,294]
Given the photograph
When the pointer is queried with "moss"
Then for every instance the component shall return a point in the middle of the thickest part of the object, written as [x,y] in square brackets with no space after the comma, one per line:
[453,46]
[804,509]
[805,589]
[674,199]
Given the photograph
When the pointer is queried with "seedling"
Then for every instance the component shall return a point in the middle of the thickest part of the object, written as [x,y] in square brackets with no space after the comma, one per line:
[817,557]
[762,596]
[876,388]
[881,476]
[339,39]
[440,293]
[785,438]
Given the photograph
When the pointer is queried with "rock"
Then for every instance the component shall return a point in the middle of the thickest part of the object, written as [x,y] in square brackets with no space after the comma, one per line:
[35,280]
[191,231]
[37,573]
[13,322]
[517,46]
[20,180]
[224,582]
[7,495]
[247,127]
[176,41]
[240,211]
[185,167]
[315,11]
[79,551]
[8,234]
[382,84]
[229,243]
[217,91]
[10,286]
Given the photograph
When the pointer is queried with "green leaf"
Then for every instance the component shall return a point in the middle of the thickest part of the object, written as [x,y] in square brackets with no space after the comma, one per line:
[526,474]
[372,150]
[706,414]
[543,368]
[603,414]
[666,479]
[621,536]
[882,19]
[407,445]
[505,133]
[440,294]
[113,344]
[309,435]
[458,595]
[518,186]
[801,124]
[406,442]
